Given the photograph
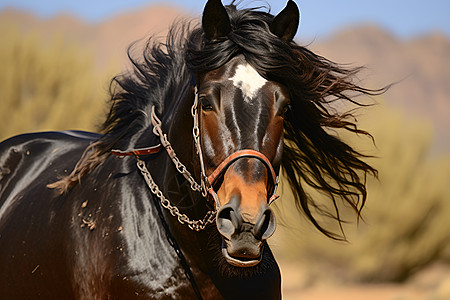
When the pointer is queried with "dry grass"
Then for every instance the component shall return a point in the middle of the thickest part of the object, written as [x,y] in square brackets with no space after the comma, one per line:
[47,84]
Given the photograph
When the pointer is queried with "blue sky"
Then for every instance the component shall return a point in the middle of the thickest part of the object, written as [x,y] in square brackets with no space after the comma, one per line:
[319,17]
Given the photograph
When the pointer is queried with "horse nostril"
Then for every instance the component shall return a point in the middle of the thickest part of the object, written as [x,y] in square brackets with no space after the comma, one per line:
[265,225]
[227,221]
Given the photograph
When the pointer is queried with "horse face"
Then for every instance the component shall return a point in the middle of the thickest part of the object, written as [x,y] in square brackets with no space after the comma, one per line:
[242,110]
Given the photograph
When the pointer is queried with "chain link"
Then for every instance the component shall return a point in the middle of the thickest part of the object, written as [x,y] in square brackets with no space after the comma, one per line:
[196,225]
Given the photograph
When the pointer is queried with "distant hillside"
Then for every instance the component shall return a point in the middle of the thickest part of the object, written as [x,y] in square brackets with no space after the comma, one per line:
[109,39]
[423,62]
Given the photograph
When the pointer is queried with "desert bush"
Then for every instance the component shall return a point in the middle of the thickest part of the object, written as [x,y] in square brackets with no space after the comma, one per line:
[406,218]
[47,84]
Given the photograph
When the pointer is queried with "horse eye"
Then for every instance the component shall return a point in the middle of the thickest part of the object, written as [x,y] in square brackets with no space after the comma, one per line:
[285,110]
[205,104]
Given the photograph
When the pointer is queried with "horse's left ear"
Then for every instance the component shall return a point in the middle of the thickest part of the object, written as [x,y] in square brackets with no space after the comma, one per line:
[215,20]
[285,24]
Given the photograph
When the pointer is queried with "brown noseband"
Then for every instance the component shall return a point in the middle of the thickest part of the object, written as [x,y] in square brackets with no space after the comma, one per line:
[219,172]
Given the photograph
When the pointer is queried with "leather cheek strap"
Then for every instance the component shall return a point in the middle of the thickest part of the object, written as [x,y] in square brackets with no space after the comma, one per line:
[137,152]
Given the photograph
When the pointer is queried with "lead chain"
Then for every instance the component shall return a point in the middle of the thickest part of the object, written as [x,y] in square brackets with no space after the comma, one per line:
[178,164]
[196,225]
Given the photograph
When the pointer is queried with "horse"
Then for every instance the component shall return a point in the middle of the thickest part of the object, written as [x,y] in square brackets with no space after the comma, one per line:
[171,200]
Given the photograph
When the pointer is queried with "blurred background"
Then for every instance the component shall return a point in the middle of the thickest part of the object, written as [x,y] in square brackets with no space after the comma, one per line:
[57,58]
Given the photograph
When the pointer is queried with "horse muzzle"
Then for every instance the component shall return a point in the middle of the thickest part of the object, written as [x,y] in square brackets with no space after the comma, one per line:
[243,238]
[245,221]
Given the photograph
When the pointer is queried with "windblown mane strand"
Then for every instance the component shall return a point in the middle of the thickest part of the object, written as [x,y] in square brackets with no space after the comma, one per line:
[313,156]
[156,78]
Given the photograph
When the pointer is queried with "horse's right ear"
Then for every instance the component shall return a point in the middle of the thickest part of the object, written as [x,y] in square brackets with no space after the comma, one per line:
[215,20]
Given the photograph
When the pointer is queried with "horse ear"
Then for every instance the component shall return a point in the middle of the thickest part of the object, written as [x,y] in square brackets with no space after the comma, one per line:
[285,24]
[215,20]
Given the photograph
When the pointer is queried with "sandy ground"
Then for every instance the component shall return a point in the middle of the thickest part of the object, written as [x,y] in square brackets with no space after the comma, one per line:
[430,284]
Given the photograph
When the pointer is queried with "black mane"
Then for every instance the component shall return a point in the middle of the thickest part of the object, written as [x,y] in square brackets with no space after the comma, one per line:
[156,79]
[312,156]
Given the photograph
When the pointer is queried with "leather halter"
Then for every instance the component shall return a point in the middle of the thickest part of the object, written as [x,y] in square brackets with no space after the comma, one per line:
[208,183]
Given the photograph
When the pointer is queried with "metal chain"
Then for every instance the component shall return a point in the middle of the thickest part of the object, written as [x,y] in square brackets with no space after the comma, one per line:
[196,225]
[210,216]
[196,135]
[178,164]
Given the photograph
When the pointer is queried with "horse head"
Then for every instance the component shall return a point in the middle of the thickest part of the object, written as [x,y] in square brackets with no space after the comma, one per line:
[241,132]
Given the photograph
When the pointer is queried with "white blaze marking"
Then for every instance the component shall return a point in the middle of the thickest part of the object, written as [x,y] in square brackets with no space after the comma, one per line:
[248,80]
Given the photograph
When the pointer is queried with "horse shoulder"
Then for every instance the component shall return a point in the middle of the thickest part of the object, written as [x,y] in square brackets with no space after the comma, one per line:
[35,220]
[37,157]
